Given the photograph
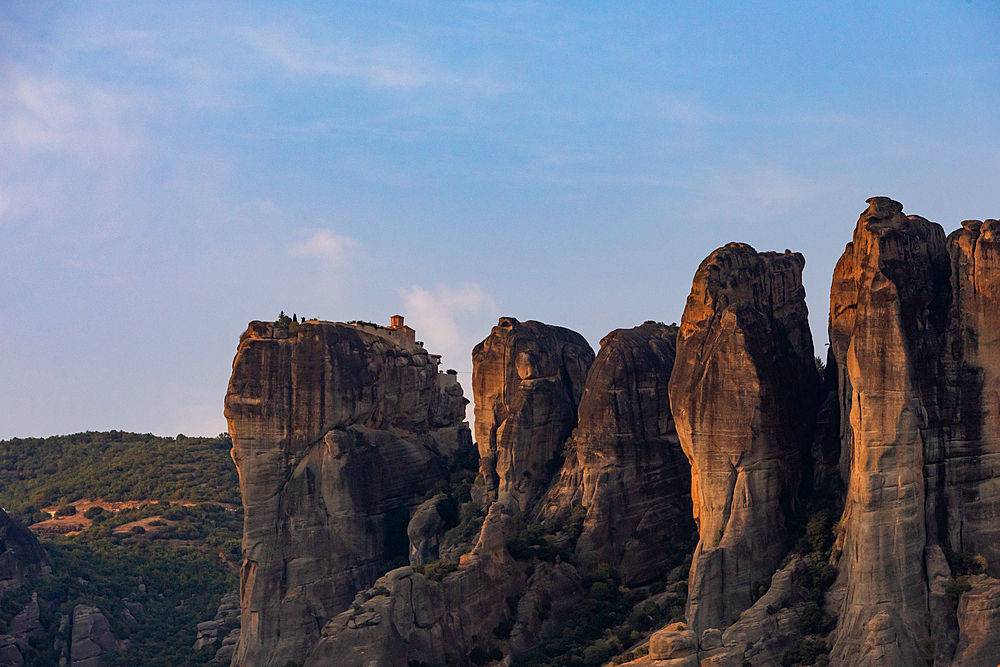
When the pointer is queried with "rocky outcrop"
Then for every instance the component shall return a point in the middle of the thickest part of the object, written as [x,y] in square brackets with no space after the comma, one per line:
[963,469]
[424,532]
[528,379]
[913,328]
[227,614]
[21,560]
[743,394]
[676,643]
[888,311]
[408,618]
[979,620]
[21,555]
[625,463]
[91,637]
[338,433]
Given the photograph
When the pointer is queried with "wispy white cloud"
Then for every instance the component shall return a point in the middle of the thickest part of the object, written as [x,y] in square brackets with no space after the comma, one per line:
[685,109]
[324,245]
[443,317]
[451,321]
[380,66]
[759,189]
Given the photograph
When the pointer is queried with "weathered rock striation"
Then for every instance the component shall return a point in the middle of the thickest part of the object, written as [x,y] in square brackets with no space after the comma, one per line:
[913,327]
[965,475]
[91,637]
[625,463]
[528,379]
[888,309]
[743,394]
[338,433]
[408,618]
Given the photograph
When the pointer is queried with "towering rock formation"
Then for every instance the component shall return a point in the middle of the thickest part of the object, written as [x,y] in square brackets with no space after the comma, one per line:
[625,463]
[528,379]
[888,315]
[913,327]
[743,394]
[965,476]
[338,432]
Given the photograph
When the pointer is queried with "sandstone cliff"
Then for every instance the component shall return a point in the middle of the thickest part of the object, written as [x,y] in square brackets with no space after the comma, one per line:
[528,379]
[913,327]
[338,433]
[625,463]
[408,618]
[743,394]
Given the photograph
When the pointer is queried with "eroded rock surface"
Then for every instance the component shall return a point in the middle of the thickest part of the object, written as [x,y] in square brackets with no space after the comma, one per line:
[979,620]
[913,328]
[528,379]
[963,469]
[21,555]
[625,463]
[888,316]
[338,433]
[92,637]
[411,619]
[743,394]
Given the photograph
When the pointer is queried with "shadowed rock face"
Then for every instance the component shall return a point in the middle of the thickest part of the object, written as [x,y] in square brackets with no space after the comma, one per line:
[962,478]
[625,463]
[743,393]
[913,325]
[337,435]
[527,378]
[21,555]
[410,619]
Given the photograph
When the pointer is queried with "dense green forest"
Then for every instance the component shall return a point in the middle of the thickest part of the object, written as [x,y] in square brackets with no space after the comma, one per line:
[153,583]
[113,466]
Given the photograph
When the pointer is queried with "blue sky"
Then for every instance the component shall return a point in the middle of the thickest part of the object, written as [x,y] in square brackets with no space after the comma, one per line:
[171,171]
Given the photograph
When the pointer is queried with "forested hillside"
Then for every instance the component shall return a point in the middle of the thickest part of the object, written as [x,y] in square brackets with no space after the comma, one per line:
[155,569]
[113,466]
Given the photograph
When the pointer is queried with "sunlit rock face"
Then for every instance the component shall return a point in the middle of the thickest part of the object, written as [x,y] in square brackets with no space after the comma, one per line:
[913,326]
[527,378]
[743,394]
[338,434]
[625,464]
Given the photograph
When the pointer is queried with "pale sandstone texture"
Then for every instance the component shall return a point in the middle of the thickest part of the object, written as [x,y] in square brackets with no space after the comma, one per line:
[743,394]
[338,433]
[888,310]
[625,464]
[913,326]
[528,379]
